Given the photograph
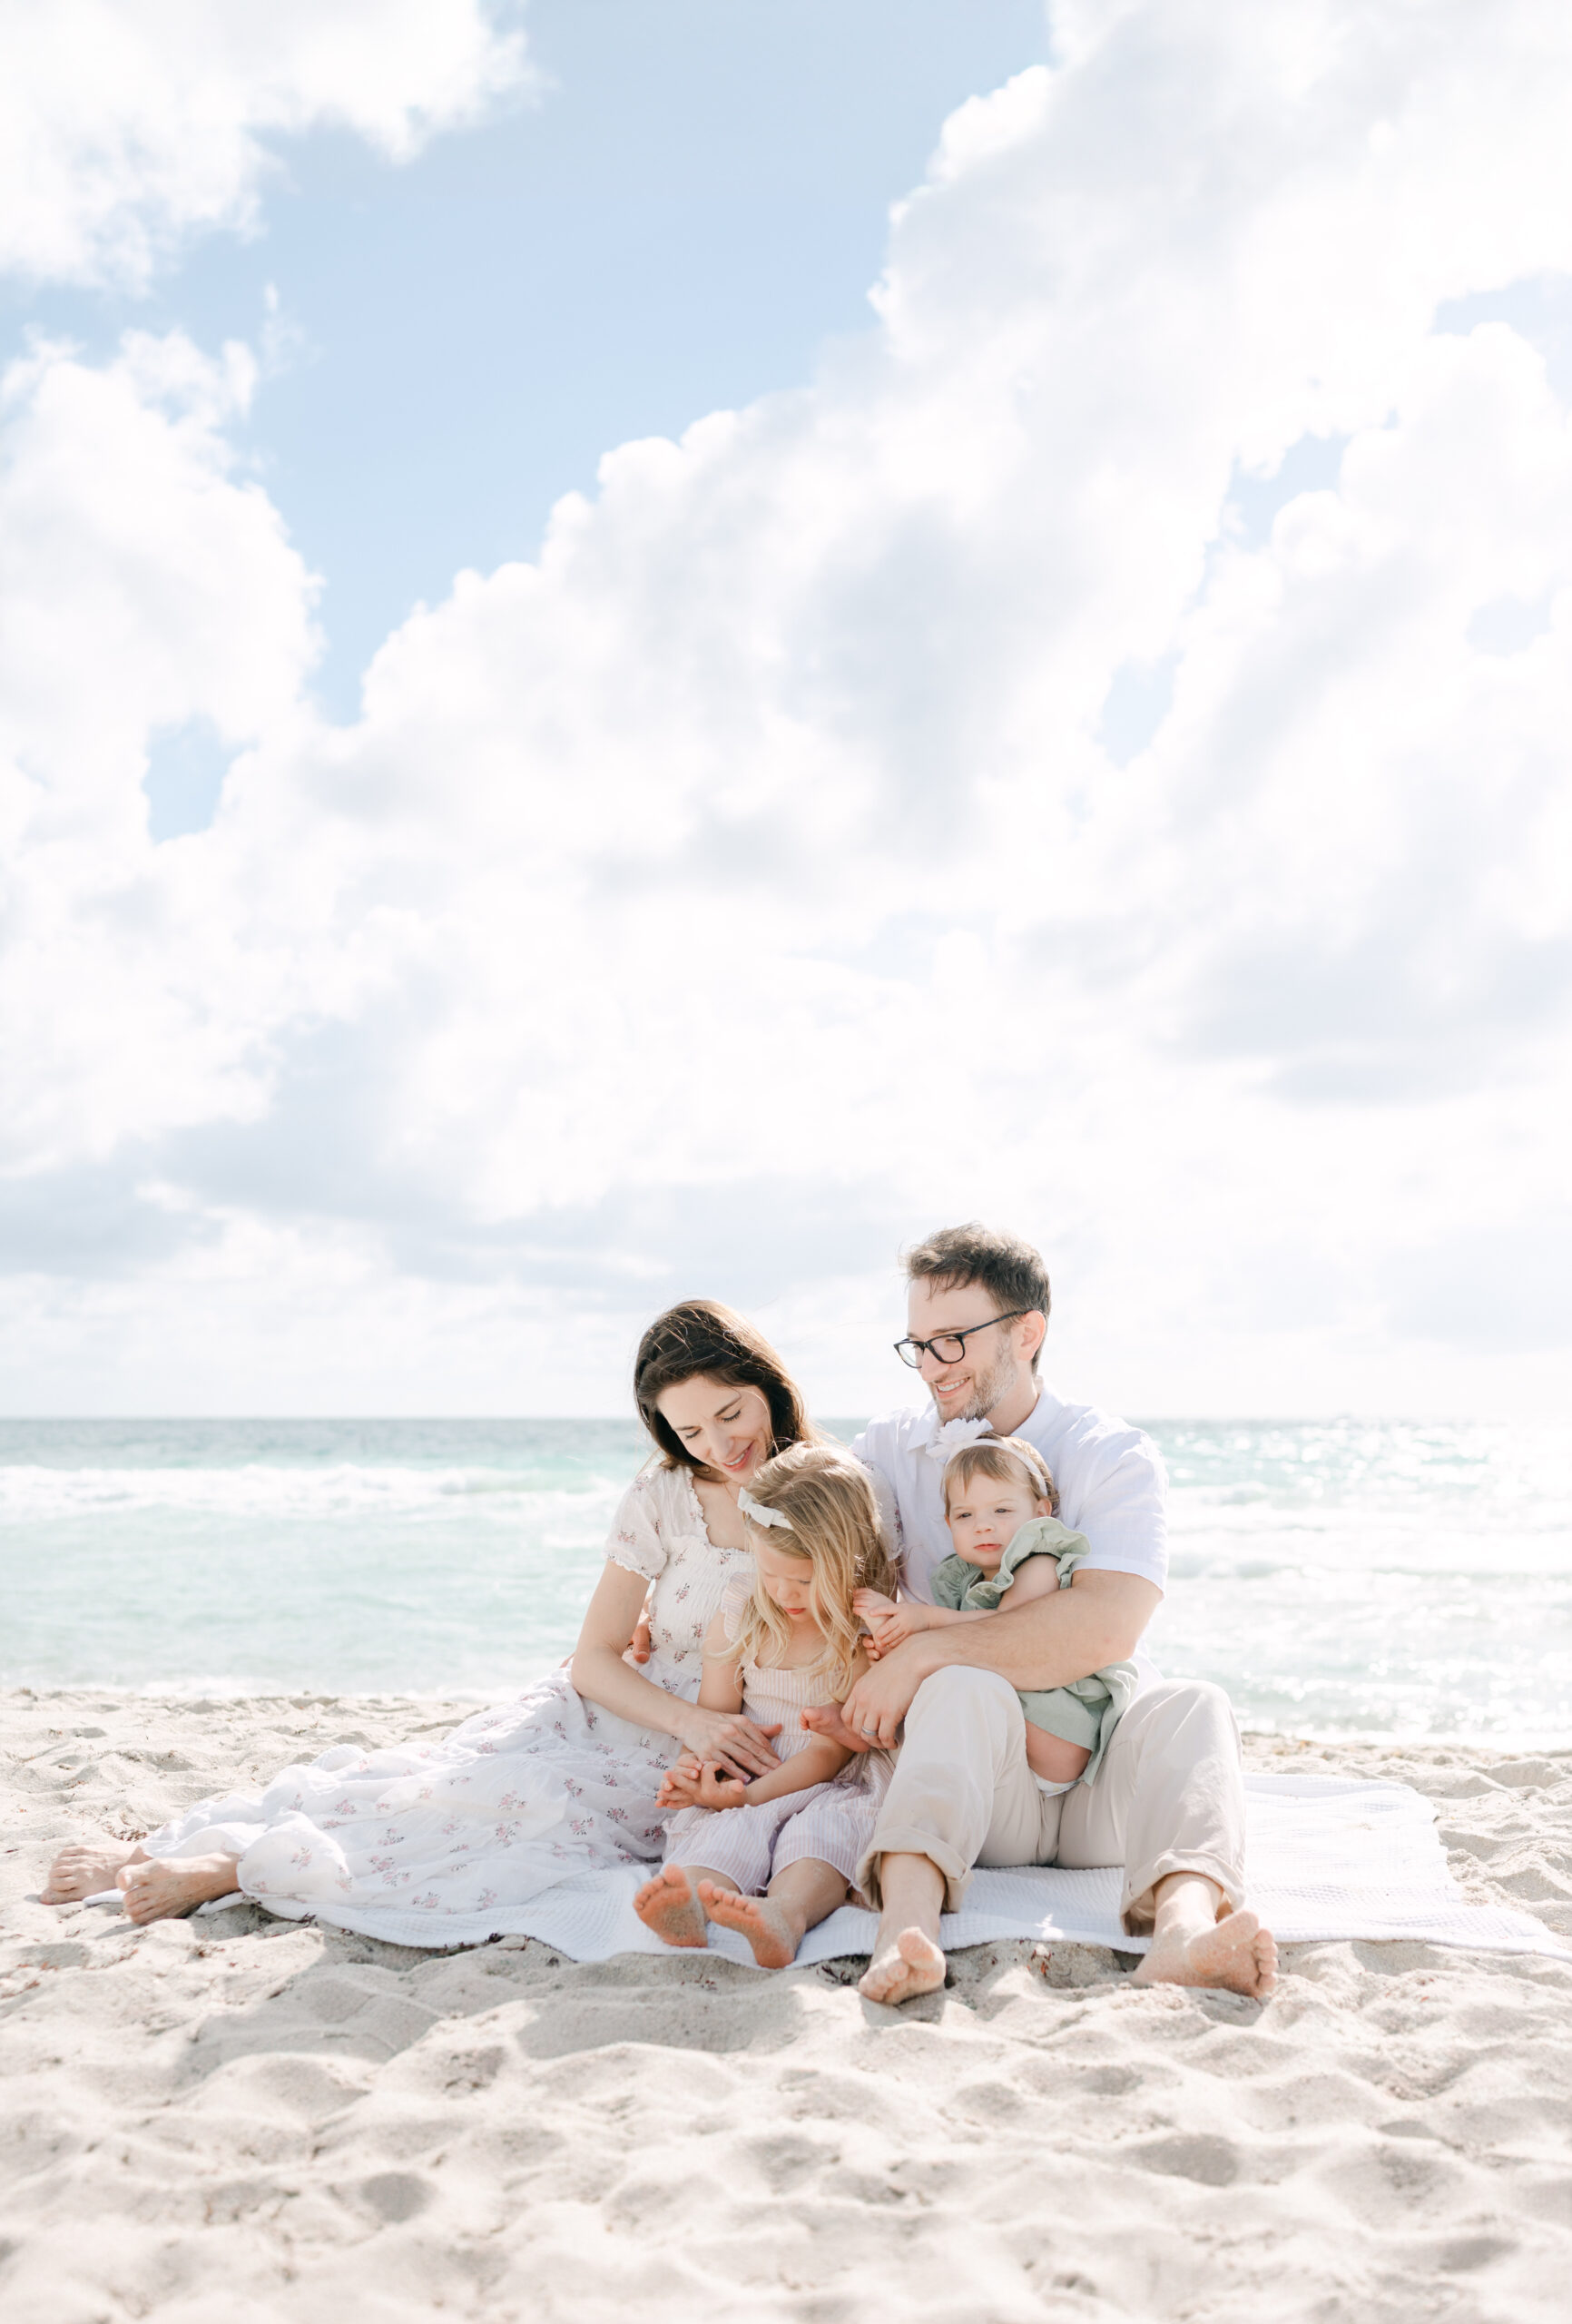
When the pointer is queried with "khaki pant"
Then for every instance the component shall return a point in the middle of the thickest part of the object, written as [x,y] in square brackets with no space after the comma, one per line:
[1169,1795]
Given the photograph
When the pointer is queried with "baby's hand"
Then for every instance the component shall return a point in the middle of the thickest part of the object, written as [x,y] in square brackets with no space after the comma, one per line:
[887,1628]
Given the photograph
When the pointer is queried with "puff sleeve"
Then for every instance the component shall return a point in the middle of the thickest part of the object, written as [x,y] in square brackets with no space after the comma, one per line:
[635,1541]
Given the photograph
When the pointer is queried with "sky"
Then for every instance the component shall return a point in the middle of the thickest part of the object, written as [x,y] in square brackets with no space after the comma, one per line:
[647,647]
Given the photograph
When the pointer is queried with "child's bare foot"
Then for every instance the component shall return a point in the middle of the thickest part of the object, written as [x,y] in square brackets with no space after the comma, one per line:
[163,1888]
[669,1904]
[87,1870]
[771,1931]
[911,1964]
[824,1719]
[1235,1956]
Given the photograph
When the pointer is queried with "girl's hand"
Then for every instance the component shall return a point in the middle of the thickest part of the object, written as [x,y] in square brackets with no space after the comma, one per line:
[727,1737]
[719,1789]
[689,1784]
[680,1784]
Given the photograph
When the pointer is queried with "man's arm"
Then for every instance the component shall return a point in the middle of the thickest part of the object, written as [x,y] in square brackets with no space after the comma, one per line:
[1050,1642]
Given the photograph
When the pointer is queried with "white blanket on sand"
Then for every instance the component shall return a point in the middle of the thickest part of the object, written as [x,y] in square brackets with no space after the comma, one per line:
[1327,1859]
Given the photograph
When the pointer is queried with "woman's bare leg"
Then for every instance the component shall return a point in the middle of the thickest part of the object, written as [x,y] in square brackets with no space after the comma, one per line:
[88,1868]
[775,1924]
[162,1888]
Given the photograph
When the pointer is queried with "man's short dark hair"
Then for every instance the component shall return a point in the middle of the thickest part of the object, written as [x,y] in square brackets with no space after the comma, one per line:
[1005,1265]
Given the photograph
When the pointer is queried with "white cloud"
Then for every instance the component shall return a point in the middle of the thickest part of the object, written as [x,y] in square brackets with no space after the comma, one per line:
[746,884]
[144,582]
[123,128]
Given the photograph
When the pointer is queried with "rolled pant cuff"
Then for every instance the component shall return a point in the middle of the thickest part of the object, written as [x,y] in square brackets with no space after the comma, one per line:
[1138,1908]
[912,1840]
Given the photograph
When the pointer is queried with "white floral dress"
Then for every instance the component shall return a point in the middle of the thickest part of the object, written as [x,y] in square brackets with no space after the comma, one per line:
[437,1844]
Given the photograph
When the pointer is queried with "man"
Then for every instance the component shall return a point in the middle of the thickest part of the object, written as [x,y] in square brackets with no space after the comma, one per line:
[1168,1800]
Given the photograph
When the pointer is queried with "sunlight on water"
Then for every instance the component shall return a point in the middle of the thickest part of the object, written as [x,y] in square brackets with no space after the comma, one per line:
[1337,1577]
[1393,1578]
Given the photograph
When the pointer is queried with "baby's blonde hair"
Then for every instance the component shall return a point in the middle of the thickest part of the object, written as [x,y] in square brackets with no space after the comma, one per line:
[827,1500]
[1009,1460]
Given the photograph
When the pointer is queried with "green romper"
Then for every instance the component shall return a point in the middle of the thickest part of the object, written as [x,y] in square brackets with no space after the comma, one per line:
[1087,1710]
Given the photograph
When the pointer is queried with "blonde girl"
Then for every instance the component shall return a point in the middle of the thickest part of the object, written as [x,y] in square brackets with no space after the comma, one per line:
[772,1855]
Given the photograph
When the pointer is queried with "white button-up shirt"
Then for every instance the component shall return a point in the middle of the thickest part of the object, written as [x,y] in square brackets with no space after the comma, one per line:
[1113,1487]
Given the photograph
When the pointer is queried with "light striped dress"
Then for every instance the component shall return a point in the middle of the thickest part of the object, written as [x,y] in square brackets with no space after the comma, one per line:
[830,1822]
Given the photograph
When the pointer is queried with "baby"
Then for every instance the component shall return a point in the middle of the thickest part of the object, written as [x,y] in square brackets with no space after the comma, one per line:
[773,1856]
[1002,1508]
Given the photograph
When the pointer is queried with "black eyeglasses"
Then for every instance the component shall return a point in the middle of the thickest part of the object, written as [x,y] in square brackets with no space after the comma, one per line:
[949,1347]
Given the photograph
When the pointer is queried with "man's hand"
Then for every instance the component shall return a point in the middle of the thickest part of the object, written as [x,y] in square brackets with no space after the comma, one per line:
[637,1649]
[881,1698]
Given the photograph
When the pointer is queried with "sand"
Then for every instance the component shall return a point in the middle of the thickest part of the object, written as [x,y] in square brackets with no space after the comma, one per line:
[248,2119]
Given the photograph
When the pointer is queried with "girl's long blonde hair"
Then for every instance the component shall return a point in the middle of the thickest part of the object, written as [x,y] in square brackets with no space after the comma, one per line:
[827,1500]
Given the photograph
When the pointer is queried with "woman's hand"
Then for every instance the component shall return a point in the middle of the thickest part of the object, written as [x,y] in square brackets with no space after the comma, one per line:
[730,1739]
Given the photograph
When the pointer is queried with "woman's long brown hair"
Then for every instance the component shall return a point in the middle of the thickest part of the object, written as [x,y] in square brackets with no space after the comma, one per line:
[699,1339]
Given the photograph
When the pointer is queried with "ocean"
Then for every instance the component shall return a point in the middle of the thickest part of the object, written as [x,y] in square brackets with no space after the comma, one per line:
[1403,1579]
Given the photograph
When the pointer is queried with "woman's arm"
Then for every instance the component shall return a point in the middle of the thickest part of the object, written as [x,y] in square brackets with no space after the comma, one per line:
[601,1677]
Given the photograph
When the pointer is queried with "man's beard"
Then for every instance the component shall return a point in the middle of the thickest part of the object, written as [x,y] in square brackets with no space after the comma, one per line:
[989,1388]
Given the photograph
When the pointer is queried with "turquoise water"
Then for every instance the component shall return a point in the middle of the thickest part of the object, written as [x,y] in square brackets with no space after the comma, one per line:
[1337,1577]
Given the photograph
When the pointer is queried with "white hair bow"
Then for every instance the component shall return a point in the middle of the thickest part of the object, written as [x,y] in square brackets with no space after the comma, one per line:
[946,1442]
[758,1514]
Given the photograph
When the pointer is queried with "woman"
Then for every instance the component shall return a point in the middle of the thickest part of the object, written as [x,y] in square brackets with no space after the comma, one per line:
[445,1842]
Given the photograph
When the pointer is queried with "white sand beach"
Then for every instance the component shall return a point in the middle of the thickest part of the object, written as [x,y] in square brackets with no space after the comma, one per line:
[240,2116]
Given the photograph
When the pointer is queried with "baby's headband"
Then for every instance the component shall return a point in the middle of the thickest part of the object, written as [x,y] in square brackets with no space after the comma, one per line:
[758,1514]
[1025,1453]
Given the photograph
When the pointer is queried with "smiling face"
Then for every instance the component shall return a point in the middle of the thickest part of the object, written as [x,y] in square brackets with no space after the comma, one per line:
[986,1514]
[995,1368]
[726,1430]
[788,1580]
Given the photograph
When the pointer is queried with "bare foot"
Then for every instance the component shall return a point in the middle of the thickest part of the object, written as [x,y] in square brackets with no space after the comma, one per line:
[824,1719]
[163,1888]
[668,1904]
[88,1869]
[771,1932]
[1235,1956]
[913,1964]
